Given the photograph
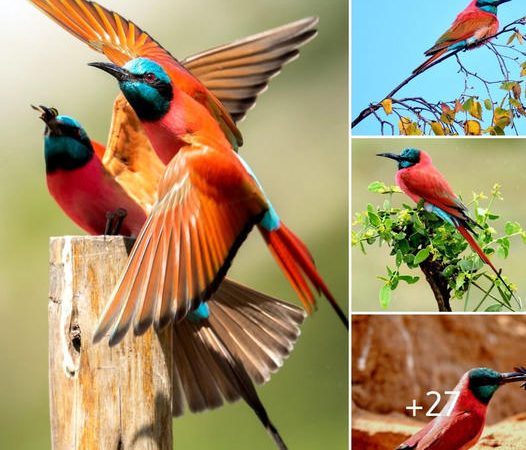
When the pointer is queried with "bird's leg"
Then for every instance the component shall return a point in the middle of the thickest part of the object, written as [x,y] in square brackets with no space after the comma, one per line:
[110,215]
[120,215]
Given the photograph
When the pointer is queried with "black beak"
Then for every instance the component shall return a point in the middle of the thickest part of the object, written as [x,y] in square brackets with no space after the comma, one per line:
[116,71]
[390,156]
[48,115]
[502,1]
[510,377]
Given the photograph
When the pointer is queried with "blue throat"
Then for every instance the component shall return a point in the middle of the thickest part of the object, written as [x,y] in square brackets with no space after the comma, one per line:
[489,9]
[149,89]
[67,147]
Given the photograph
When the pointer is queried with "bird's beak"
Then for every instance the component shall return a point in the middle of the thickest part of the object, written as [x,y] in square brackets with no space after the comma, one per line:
[390,156]
[48,115]
[499,2]
[511,377]
[118,72]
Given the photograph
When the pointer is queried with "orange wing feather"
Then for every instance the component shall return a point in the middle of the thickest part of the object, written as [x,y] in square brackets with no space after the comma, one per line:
[121,40]
[207,206]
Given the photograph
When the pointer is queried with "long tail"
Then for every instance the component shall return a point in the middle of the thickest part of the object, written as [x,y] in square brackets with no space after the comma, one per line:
[296,262]
[245,339]
[429,61]
[476,247]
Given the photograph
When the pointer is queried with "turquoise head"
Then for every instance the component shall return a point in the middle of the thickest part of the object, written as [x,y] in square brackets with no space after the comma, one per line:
[66,144]
[146,86]
[407,158]
[489,6]
[484,382]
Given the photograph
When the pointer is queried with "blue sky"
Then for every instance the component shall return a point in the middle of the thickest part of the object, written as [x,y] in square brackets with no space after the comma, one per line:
[389,39]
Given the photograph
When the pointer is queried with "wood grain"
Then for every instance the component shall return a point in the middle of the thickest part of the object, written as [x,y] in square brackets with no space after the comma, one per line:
[102,398]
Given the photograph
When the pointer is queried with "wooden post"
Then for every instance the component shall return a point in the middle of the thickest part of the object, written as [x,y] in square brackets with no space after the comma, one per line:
[102,398]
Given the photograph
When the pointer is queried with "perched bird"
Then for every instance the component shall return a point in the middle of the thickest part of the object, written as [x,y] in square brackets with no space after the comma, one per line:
[420,180]
[221,350]
[462,420]
[209,200]
[80,184]
[477,22]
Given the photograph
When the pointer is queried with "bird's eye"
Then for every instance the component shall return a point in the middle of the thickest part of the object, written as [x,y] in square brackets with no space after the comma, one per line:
[150,77]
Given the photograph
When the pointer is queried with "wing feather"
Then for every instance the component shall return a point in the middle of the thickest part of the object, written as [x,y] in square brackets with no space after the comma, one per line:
[193,205]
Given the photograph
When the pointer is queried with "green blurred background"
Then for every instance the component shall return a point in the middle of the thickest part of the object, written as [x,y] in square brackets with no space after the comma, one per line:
[296,141]
[474,164]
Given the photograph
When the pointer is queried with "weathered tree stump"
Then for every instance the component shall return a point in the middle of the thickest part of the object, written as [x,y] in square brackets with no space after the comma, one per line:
[100,397]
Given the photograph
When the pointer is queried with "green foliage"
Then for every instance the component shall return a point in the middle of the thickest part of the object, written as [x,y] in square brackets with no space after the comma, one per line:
[416,236]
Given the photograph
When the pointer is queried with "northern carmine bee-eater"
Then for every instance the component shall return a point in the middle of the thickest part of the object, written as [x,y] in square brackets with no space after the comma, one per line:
[198,110]
[209,200]
[420,180]
[230,77]
[461,421]
[221,350]
[476,23]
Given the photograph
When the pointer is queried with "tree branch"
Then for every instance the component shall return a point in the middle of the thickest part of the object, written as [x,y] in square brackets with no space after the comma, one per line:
[366,112]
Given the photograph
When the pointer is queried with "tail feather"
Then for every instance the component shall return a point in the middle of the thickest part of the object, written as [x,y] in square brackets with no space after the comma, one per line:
[429,61]
[476,247]
[297,263]
[246,338]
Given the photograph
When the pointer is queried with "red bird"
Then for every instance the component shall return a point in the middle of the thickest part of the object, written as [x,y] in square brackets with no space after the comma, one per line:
[215,358]
[476,23]
[462,420]
[198,112]
[420,180]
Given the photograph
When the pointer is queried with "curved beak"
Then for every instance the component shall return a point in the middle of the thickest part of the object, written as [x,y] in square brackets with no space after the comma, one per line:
[114,70]
[511,377]
[390,156]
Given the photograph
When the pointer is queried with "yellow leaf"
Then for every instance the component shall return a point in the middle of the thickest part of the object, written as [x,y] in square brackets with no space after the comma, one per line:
[472,128]
[437,129]
[476,109]
[408,128]
[387,104]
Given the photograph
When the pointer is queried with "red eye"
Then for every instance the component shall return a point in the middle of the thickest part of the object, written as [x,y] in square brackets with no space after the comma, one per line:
[150,77]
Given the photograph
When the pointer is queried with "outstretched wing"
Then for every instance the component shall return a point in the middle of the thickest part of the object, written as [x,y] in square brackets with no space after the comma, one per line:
[238,72]
[121,40]
[207,206]
[130,158]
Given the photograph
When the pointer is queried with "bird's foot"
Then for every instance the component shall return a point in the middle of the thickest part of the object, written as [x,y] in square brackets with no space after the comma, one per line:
[114,220]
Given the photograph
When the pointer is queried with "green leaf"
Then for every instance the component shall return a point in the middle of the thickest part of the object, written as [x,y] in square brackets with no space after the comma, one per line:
[488,104]
[421,256]
[374,218]
[376,186]
[494,308]
[512,228]
[385,296]
[409,279]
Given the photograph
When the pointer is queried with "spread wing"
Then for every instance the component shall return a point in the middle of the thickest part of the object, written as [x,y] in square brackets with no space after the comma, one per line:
[207,206]
[121,40]
[463,28]
[238,72]
[130,158]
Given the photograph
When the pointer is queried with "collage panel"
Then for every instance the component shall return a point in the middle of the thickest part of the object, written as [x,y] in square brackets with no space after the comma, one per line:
[451,69]
[447,382]
[127,122]
[425,212]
